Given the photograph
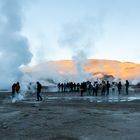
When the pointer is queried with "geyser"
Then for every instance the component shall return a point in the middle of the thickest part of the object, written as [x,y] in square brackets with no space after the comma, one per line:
[80,37]
[14,49]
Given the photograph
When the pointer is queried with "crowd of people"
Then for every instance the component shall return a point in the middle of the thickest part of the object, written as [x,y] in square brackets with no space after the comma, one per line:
[93,88]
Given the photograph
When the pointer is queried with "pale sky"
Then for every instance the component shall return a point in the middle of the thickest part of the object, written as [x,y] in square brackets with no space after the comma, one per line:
[103,29]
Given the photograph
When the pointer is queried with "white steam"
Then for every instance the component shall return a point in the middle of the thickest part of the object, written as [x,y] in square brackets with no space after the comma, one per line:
[80,37]
[14,49]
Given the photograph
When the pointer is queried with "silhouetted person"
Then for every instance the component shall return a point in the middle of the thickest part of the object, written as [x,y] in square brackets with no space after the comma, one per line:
[107,87]
[89,88]
[81,89]
[17,88]
[62,87]
[39,87]
[74,87]
[96,88]
[71,87]
[65,86]
[58,87]
[103,88]
[78,87]
[13,90]
[119,87]
[93,89]
[126,86]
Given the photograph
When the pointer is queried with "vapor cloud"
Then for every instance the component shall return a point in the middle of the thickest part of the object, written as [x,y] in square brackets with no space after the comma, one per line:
[80,37]
[14,49]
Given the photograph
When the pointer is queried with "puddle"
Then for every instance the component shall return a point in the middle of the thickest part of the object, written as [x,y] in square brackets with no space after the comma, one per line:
[96,99]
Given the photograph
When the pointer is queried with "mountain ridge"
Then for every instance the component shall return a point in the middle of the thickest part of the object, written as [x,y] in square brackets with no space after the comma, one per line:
[122,70]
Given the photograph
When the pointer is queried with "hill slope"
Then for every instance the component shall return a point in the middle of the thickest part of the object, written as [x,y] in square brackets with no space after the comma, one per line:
[96,67]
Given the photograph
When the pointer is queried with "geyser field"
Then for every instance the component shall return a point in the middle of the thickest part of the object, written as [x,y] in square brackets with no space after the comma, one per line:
[36,37]
[67,116]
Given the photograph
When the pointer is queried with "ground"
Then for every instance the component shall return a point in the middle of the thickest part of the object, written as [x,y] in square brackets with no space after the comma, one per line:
[68,119]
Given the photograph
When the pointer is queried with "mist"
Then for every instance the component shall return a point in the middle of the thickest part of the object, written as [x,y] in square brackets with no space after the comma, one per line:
[81,37]
[14,48]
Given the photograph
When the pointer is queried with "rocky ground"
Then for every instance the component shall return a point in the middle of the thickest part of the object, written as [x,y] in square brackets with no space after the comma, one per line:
[72,119]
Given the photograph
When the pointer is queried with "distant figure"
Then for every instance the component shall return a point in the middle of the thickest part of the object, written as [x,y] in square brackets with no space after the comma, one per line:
[74,87]
[107,87]
[93,89]
[96,88]
[78,87]
[65,87]
[113,87]
[81,89]
[62,87]
[89,88]
[119,87]
[126,86]
[17,88]
[39,87]
[59,85]
[13,90]
[103,88]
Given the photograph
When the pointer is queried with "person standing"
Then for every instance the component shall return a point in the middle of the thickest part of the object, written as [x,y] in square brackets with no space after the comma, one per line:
[17,87]
[39,87]
[13,90]
[81,89]
[103,90]
[119,87]
[96,88]
[59,86]
[107,87]
[126,86]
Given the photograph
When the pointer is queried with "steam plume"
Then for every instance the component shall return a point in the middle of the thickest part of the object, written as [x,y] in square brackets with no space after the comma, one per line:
[81,37]
[14,50]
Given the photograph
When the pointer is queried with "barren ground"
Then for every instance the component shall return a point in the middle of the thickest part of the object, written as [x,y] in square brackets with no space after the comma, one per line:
[68,119]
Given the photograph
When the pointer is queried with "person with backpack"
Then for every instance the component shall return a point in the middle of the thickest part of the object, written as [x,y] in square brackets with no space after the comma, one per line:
[17,87]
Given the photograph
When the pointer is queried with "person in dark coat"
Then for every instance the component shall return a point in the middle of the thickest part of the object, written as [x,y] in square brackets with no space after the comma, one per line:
[17,88]
[126,86]
[81,89]
[107,87]
[39,87]
[119,87]
[59,86]
[13,90]
[96,88]
[78,87]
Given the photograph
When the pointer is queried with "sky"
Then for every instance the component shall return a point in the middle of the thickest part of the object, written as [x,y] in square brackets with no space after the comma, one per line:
[102,29]
[36,31]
